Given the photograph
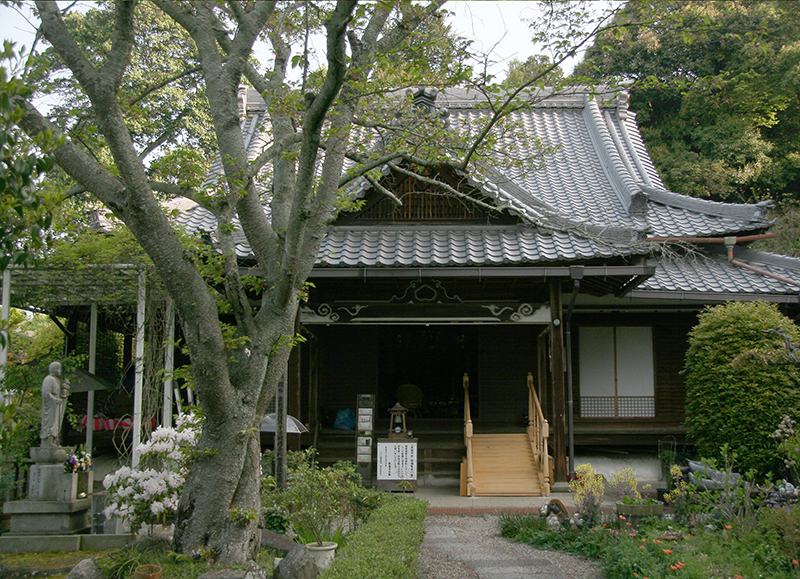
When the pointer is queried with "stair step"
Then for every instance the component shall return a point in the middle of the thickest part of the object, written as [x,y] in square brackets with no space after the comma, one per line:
[503,465]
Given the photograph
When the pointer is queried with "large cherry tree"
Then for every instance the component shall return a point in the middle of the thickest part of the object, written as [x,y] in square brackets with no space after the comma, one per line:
[325,127]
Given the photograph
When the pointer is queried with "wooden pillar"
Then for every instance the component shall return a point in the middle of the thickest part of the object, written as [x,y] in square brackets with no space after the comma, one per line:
[169,363]
[313,381]
[92,370]
[542,381]
[559,426]
[139,368]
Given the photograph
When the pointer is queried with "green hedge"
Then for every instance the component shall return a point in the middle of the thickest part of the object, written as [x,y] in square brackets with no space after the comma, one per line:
[740,384]
[386,546]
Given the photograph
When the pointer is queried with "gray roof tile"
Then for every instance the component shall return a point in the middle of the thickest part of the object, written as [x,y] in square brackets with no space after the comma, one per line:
[587,184]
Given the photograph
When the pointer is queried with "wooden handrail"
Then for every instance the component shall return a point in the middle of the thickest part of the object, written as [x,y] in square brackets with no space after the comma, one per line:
[538,434]
[468,438]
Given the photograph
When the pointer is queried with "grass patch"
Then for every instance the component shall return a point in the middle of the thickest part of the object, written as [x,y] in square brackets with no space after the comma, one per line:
[659,549]
[53,564]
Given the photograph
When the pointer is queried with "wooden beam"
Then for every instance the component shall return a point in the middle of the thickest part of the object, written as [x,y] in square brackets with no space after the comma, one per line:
[559,426]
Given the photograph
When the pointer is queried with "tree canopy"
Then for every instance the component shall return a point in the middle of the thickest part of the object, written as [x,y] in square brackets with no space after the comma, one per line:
[149,98]
[715,88]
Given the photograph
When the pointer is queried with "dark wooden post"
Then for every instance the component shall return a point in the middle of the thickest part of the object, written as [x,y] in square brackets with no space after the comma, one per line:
[294,384]
[559,426]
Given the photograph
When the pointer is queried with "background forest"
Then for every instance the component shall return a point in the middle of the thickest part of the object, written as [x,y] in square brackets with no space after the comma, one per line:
[716,89]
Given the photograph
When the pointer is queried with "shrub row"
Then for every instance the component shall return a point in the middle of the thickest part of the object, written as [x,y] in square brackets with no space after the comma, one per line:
[386,546]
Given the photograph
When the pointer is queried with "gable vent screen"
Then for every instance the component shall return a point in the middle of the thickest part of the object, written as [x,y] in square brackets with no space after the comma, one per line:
[422,206]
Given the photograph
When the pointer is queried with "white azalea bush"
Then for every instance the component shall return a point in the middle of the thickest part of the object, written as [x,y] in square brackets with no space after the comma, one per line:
[149,494]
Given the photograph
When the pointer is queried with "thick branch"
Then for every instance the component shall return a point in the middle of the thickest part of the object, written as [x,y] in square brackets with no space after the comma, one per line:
[122,41]
[56,33]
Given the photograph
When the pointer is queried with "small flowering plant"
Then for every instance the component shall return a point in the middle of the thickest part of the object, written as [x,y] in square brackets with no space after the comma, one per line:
[624,487]
[80,462]
[789,446]
[588,489]
[149,493]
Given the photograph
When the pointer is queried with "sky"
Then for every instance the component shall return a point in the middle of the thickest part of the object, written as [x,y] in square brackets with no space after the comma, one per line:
[498,27]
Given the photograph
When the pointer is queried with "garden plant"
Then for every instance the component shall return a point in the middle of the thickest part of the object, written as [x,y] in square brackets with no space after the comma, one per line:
[743,531]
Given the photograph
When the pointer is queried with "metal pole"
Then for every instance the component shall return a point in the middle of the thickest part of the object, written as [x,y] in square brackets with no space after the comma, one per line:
[169,362]
[137,388]
[92,368]
[280,434]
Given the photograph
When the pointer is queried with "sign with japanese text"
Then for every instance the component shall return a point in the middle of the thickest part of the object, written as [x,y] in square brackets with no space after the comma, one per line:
[397,459]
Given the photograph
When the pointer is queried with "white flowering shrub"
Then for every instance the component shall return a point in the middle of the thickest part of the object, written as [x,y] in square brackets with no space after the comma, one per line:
[149,493]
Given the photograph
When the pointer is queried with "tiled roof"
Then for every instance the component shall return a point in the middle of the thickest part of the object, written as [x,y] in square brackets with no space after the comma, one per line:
[597,196]
[366,246]
[710,272]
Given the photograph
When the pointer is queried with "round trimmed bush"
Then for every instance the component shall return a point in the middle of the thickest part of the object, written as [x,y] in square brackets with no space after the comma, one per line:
[740,383]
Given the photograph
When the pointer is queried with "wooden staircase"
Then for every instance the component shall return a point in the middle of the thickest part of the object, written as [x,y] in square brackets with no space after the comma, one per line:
[515,464]
[504,465]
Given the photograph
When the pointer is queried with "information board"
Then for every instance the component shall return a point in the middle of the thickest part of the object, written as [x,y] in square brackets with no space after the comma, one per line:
[397,459]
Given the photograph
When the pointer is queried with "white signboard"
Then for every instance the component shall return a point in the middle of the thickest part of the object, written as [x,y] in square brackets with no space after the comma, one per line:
[397,460]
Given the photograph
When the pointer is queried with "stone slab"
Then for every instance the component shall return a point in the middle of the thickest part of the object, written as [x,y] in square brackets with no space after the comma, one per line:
[48,517]
[45,507]
[39,544]
[104,542]
[44,543]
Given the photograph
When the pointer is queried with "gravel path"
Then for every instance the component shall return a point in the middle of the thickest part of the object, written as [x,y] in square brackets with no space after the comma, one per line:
[470,547]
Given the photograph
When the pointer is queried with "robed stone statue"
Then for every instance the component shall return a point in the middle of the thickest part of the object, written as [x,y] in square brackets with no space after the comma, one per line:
[54,403]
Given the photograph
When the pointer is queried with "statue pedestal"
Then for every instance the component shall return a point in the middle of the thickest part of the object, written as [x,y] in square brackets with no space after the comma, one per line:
[48,517]
[49,482]
[58,502]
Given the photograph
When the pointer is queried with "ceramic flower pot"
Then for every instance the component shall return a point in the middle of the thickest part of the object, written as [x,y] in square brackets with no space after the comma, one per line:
[322,554]
[638,510]
[147,572]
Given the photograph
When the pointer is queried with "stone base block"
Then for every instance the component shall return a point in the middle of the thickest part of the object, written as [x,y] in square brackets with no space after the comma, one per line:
[21,544]
[48,517]
[49,482]
[42,544]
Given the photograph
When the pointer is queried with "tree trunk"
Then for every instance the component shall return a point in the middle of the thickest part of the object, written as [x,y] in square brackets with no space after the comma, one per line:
[221,504]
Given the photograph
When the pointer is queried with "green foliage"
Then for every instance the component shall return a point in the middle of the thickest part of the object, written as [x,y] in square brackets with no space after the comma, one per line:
[714,86]
[661,549]
[122,564]
[740,404]
[520,73]
[19,430]
[26,210]
[162,96]
[679,498]
[387,546]
[317,500]
[789,446]
[781,527]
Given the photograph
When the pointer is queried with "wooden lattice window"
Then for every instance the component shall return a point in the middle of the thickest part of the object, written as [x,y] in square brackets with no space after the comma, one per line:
[421,202]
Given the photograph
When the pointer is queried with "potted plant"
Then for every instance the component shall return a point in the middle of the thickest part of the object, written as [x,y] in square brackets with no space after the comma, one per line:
[629,501]
[318,503]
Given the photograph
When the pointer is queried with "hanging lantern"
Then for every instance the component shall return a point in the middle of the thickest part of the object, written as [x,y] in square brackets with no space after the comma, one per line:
[397,422]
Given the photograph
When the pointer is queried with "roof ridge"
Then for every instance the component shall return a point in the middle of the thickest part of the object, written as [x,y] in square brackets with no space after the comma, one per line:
[751,211]
[764,257]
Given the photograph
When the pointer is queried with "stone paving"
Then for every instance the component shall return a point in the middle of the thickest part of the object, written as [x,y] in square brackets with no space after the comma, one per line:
[470,547]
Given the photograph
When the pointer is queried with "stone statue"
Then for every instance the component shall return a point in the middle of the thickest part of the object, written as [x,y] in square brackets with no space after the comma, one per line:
[54,403]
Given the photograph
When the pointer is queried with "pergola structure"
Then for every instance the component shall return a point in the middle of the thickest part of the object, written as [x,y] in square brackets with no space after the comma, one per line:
[66,292]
